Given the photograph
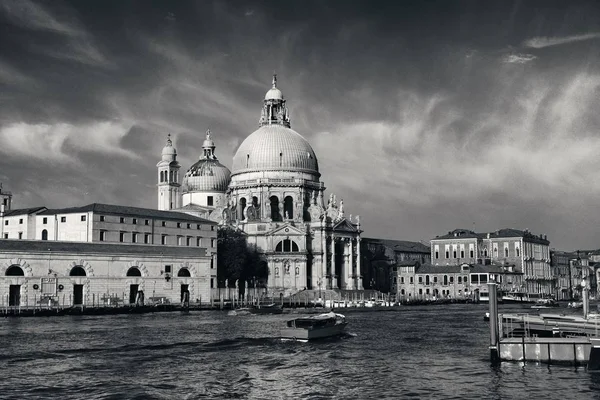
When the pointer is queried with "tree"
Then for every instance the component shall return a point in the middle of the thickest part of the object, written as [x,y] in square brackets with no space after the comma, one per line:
[236,259]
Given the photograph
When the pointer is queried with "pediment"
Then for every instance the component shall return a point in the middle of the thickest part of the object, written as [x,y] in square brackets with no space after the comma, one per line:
[345,226]
[287,230]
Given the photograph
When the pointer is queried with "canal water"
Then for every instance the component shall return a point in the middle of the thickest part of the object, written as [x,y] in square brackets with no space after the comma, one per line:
[437,352]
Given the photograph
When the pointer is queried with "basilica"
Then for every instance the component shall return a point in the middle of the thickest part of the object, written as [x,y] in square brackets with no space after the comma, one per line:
[274,195]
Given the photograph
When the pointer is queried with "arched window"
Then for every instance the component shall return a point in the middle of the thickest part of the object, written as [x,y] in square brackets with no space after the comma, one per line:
[485,253]
[134,271]
[77,271]
[427,279]
[44,234]
[15,270]
[445,279]
[184,272]
[288,207]
[242,208]
[287,246]
[275,216]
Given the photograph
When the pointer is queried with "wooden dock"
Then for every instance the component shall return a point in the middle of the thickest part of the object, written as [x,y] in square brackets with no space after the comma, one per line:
[565,340]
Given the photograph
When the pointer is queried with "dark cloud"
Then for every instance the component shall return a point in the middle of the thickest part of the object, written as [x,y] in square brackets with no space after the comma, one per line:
[425,116]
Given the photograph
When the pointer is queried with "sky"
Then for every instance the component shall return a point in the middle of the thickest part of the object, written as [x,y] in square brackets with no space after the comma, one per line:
[426,116]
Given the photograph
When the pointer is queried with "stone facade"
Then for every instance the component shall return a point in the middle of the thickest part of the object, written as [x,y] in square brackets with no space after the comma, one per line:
[522,253]
[67,273]
[416,281]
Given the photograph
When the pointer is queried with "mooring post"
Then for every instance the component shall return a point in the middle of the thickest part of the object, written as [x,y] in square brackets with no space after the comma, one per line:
[586,298]
[494,335]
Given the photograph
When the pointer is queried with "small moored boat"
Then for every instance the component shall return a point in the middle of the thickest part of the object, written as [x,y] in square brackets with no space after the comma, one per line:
[545,303]
[314,327]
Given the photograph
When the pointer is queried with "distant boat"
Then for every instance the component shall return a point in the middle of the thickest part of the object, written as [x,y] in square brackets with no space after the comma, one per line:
[576,304]
[545,303]
[266,309]
[516,297]
[314,327]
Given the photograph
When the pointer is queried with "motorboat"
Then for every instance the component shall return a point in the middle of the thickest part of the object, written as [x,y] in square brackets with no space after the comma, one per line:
[516,297]
[545,303]
[314,327]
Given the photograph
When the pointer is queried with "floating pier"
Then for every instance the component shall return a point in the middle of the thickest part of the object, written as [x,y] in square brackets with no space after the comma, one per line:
[552,339]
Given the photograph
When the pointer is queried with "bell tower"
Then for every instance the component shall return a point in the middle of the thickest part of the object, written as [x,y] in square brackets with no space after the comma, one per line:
[169,188]
[5,200]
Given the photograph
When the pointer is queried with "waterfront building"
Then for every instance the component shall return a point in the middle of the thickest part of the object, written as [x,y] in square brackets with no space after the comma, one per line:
[61,273]
[275,196]
[561,271]
[522,253]
[83,254]
[379,256]
[416,281]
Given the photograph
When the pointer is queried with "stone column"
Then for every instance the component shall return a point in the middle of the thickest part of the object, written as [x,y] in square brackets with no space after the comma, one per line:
[359,282]
[323,254]
[332,271]
[351,274]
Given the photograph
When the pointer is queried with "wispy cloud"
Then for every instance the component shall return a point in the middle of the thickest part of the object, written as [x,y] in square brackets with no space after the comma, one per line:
[540,146]
[545,41]
[33,15]
[518,58]
[10,75]
[77,43]
[51,142]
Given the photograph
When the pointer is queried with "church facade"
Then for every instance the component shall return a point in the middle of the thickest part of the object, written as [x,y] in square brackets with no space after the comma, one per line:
[275,196]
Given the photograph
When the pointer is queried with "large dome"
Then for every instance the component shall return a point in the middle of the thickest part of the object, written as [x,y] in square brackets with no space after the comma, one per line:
[206,176]
[275,147]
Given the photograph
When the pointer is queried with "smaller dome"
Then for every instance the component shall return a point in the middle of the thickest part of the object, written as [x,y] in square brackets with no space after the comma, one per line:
[208,142]
[274,94]
[168,152]
[206,176]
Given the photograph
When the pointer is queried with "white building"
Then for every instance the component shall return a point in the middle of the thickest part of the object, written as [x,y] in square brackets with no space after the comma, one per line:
[275,195]
[101,253]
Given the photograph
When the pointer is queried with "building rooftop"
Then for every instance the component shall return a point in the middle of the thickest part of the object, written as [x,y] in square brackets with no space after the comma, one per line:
[400,245]
[23,211]
[129,211]
[42,246]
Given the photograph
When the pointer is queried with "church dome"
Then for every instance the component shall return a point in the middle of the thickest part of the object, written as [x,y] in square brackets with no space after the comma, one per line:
[274,94]
[206,176]
[275,147]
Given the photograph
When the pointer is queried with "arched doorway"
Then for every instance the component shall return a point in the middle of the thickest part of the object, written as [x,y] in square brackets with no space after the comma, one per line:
[133,288]
[77,288]
[44,234]
[14,291]
[15,270]
[275,215]
[134,271]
